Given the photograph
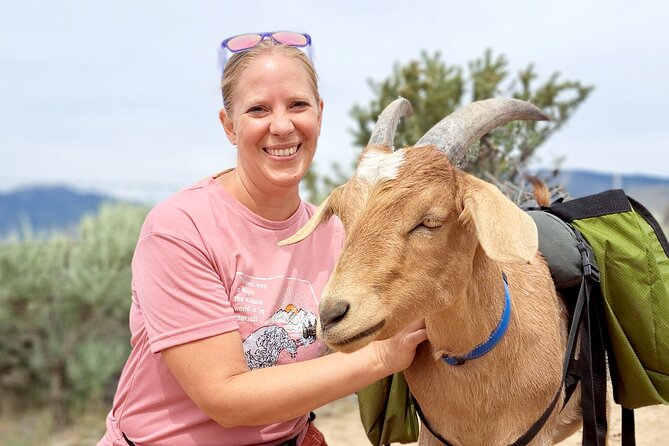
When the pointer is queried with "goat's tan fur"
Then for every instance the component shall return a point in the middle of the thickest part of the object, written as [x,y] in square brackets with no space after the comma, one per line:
[449,272]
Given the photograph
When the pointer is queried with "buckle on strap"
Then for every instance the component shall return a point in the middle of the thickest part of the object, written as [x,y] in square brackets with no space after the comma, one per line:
[494,338]
[590,268]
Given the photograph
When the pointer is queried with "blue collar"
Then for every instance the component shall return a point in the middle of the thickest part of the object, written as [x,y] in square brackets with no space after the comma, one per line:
[496,335]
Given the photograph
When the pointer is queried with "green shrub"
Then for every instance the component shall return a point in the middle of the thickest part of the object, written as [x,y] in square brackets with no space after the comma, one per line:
[64,303]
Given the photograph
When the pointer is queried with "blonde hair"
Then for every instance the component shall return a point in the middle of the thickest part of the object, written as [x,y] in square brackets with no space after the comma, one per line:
[239,61]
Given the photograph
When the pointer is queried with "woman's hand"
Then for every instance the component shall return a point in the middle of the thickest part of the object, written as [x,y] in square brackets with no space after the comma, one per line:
[397,353]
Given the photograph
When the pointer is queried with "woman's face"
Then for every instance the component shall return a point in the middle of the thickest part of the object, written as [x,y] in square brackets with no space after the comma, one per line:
[275,122]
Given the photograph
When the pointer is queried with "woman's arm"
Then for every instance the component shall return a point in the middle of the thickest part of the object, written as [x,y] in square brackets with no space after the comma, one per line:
[214,374]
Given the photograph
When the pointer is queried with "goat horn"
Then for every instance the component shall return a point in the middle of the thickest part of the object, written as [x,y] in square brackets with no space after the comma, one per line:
[384,131]
[455,133]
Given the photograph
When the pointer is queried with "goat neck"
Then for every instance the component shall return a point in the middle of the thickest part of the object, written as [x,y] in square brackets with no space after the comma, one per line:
[457,329]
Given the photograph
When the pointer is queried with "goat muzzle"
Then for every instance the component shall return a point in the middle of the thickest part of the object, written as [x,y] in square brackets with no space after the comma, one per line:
[332,314]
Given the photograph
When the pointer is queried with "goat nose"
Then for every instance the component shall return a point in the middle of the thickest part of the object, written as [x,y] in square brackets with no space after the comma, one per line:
[333,313]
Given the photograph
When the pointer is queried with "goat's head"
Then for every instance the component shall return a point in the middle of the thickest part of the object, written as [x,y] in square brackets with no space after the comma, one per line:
[414,223]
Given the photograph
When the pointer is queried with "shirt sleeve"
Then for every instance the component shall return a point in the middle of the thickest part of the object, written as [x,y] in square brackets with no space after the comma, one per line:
[181,296]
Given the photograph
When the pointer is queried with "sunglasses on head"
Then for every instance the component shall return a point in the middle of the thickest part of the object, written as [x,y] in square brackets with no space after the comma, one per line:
[244,42]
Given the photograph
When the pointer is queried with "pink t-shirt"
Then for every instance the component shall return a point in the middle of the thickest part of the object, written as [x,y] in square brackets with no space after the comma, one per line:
[205,265]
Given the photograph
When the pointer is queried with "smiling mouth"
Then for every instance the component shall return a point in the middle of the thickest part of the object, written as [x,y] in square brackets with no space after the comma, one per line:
[361,335]
[287,151]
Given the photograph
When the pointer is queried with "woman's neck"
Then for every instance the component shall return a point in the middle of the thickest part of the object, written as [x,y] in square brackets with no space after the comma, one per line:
[277,206]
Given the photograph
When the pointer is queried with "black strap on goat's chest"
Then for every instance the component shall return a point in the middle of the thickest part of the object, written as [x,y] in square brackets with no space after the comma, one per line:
[525,439]
[589,369]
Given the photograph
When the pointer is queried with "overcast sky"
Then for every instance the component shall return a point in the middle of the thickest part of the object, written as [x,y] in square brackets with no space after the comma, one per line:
[122,96]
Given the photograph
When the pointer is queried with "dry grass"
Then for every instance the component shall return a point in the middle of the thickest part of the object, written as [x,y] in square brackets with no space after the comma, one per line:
[339,421]
[39,428]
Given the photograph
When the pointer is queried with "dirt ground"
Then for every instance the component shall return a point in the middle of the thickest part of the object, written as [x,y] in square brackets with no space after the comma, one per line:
[341,425]
[339,421]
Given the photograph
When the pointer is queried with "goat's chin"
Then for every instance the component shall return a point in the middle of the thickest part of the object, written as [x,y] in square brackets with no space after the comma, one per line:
[349,347]
[351,340]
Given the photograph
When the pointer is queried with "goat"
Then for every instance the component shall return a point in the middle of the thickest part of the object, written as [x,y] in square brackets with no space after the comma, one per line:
[425,240]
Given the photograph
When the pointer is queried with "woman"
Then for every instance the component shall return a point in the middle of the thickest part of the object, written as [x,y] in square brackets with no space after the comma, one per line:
[223,320]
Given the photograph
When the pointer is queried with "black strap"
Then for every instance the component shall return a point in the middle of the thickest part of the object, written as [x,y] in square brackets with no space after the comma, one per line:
[524,439]
[423,420]
[130,443]
[650,219]
[575,370]
[532,432]
[604,203]
[591,369]
[291,442]
[628,434]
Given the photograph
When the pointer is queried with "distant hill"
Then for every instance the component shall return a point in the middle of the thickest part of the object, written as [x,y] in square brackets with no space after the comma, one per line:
[652,191]
[45,208]
[585,182]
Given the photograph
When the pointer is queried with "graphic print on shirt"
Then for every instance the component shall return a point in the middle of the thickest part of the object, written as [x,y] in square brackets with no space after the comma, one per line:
[290,328]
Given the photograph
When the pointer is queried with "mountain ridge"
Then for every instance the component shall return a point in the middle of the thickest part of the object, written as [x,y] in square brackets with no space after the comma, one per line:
[651,190]
[49,208]
[43,209]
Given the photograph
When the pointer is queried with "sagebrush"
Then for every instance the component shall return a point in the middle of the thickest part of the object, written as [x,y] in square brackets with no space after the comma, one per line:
[64,302]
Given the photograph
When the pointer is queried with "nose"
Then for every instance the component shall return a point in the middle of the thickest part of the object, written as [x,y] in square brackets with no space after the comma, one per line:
[281,125]
[332,313]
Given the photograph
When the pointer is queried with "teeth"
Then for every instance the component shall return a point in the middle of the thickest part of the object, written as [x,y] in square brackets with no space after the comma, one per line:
[282,152]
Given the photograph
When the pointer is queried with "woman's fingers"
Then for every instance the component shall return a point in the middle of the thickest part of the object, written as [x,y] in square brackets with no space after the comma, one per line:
[397,352]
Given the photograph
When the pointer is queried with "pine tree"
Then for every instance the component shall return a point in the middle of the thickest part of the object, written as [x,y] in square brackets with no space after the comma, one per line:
[436,89]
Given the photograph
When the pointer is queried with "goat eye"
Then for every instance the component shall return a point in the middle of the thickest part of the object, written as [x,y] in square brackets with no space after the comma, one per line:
[427,226]
[431,223]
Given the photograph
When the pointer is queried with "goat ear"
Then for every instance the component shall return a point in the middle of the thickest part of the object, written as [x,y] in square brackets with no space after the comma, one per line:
[506,233]
[322,214]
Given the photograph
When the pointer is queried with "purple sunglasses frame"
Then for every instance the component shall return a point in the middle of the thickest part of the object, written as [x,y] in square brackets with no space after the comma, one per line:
[223,58]
[263,36]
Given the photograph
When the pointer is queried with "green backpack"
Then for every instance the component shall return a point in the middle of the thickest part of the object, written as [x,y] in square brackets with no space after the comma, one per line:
[627,307]
[387,411]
